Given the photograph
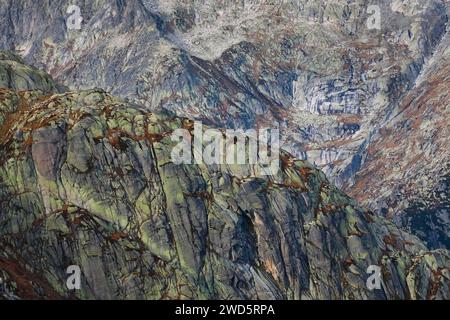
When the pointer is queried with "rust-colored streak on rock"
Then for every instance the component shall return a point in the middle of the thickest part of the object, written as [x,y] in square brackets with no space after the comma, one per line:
[25,279]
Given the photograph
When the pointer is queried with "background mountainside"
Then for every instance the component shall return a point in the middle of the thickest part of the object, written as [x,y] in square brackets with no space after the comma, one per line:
[87,179]
[406,174]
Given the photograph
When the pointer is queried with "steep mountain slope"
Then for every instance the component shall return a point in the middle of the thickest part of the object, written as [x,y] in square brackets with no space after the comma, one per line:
[87,179]
[406,171]
[314,68]
[342,90]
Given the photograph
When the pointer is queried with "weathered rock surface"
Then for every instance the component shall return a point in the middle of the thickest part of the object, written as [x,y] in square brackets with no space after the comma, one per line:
[87,179]
[16,75]
[406,169]
[315,68]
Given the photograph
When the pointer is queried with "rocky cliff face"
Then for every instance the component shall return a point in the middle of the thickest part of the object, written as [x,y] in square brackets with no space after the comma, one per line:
[318,68]
[87,179]
[406,170]
[323,71]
